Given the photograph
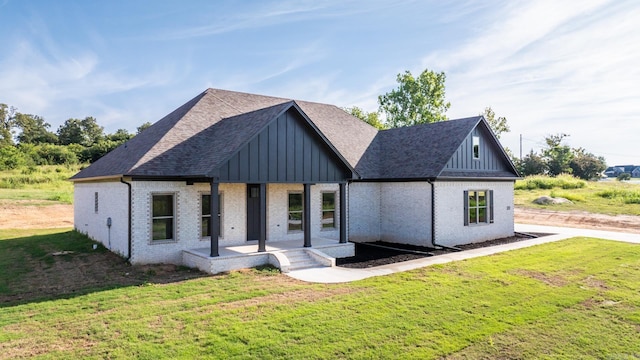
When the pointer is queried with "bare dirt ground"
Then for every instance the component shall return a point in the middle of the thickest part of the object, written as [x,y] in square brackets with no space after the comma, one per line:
[577,219]
[23,214]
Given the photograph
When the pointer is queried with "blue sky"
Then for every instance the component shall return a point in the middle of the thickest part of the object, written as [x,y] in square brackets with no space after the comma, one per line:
[548,66]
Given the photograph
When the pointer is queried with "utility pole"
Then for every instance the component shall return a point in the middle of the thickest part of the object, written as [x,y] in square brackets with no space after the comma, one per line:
[520,147]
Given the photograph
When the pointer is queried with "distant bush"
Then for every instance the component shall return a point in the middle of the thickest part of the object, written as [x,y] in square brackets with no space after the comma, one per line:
[624,177]
[563,181]
[624,195]
[11,158]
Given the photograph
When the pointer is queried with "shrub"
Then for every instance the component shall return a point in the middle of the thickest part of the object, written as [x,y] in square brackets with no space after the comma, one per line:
[623,177]
[545,182]
[11,158]
[626,196]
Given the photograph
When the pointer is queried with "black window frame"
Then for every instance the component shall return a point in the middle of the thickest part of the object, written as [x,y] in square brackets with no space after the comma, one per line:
[292,215]
[204,216]
[332,225]
[472,209]
[162,218]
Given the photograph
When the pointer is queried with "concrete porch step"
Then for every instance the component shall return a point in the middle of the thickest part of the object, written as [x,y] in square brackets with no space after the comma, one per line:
[300,259]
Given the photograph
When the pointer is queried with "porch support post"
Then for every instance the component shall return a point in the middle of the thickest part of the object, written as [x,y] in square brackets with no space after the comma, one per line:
[214,220]
[306,209]
[343,213]
[262,247]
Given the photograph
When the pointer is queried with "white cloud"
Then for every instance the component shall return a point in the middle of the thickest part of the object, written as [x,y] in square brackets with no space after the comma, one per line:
[553,67]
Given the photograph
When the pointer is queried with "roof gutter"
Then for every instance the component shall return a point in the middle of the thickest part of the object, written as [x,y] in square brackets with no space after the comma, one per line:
[129,221]
[433,220]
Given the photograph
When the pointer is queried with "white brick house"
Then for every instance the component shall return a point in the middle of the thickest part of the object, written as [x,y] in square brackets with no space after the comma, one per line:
[291,171]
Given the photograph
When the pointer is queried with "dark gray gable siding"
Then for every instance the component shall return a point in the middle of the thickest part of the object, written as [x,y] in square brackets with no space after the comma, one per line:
[287,150]
[491,159]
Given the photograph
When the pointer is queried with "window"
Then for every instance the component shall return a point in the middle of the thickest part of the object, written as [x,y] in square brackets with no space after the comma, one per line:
[328,210]
[295,212]
[476,147]
[478,207]
[206,215]
[162,217]
[95,202]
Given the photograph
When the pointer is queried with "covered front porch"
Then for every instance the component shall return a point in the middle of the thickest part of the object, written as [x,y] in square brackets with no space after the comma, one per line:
[285,255]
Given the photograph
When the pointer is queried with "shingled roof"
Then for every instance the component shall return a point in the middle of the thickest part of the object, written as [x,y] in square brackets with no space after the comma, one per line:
[202,134]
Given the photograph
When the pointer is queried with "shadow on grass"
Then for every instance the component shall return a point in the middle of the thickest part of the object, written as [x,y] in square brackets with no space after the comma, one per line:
[65,265]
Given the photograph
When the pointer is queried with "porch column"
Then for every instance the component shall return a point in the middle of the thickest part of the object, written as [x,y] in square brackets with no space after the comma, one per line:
[263,219]
[306,209]
[214,220]
[343,213]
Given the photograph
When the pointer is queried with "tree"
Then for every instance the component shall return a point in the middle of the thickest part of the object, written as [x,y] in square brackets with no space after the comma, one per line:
[6,124]
[34,130]
[586,165]
[556,155]
[416,100]
[120,136]
[143,127]
[85,132]
[372,118]
[498,125]
[624,177]
[532,164]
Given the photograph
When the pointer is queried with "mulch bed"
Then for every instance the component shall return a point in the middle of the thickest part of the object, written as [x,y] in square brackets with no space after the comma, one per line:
[382,253]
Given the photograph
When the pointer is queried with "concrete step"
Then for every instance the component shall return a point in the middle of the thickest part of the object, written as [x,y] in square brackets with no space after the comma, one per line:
[300,260]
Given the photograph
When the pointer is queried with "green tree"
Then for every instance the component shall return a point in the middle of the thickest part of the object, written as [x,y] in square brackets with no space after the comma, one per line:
[7,123]
[85,132]
[531,164]
[586,165]
[34,130]
[498,124]
[624,177]
[371,118]
[557,156]
[143,127]
[416,100]
[120,136]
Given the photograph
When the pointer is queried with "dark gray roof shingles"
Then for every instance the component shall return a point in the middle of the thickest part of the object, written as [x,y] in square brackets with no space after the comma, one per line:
[199,136]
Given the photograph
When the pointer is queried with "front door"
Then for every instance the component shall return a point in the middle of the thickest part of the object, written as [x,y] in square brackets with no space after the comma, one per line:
[253,211]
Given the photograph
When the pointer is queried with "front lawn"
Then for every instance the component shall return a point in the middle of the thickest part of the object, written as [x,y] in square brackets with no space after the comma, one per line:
[572,299]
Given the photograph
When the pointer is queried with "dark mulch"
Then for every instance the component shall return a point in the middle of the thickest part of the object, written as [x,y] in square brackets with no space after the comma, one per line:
[383,253]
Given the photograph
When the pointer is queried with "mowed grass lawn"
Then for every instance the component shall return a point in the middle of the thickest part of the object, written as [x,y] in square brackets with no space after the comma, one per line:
[578,298]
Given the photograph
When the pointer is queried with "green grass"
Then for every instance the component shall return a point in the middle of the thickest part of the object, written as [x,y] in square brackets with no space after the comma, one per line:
[572,299]
[563,181]
[41,183]
[604,197]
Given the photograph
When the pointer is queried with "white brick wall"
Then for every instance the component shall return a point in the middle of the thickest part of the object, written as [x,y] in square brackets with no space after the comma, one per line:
[405,213]
[450,229]
[112,202]
[364,212]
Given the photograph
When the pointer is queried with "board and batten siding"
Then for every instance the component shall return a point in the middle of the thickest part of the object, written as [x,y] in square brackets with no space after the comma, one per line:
[288,150]
[490,158]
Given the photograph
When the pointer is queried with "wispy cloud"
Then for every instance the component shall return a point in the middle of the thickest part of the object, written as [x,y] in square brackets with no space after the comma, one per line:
[551,67]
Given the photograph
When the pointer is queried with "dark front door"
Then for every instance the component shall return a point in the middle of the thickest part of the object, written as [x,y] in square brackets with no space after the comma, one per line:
[253,211]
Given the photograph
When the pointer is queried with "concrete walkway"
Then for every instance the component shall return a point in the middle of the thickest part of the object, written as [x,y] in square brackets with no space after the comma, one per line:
[340,274]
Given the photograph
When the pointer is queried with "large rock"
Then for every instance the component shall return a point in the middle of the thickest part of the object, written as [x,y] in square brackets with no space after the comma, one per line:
[547,200]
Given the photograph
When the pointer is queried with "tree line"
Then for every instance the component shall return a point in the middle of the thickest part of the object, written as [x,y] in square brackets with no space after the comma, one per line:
[421,100]
[26,140]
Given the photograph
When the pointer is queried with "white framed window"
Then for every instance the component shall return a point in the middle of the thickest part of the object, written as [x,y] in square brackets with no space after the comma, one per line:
[478,207]
[328,210]
[163,217]
[295,221]
[476,147]
[205,215]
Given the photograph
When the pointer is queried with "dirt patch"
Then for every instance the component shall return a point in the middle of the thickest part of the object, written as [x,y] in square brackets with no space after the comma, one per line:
[584,220]
[79,273]
[24,214]
[552,280]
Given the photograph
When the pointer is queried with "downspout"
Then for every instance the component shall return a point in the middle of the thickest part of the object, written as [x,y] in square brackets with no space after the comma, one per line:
[129,222]
[433,221]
